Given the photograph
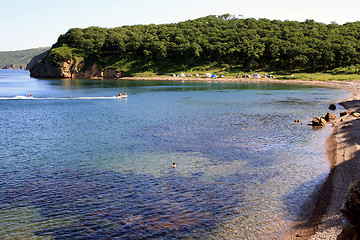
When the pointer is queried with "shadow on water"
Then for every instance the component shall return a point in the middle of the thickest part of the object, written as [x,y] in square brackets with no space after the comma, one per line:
[334,187]
[109,205]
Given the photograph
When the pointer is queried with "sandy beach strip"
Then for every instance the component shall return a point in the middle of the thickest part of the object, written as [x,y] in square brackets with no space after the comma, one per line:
[326,221]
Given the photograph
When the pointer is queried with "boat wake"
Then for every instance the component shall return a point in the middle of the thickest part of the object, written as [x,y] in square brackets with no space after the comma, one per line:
[20,97]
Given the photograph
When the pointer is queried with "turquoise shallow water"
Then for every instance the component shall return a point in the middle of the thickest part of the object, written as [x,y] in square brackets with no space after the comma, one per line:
[77,164]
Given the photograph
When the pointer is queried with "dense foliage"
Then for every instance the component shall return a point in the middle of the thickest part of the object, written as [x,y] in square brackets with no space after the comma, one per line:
[19,58]
[225,40]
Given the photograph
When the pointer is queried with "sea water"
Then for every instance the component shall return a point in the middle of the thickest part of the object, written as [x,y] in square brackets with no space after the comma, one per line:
[76,163]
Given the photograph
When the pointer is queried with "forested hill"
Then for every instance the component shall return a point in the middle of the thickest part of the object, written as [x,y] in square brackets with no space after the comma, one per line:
[19,59]
[227,41]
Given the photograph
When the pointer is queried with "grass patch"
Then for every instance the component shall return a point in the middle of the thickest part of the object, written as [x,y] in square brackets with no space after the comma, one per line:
[320,76]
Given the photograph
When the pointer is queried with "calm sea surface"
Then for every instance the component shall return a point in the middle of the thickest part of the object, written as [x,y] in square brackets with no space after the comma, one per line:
[78,164]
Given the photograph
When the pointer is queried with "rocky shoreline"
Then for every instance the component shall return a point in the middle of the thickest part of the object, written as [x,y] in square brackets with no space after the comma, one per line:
[12,66]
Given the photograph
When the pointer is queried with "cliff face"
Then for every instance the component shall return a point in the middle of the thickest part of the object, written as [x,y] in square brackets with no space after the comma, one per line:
[72,69]
[35,60]
[44,69]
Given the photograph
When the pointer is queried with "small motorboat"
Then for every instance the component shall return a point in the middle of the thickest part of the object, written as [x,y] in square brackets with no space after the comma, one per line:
[121,96]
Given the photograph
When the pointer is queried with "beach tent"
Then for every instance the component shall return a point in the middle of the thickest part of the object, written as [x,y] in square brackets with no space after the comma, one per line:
[182,75]
[207,75]
[213,76]
[256,75]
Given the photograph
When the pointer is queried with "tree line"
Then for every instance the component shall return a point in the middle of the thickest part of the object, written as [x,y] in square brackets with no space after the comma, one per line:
[20,58]
[247,44]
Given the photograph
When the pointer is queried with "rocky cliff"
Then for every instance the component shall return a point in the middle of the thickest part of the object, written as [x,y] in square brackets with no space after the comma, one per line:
[45,69]
[72,69]
[35,60]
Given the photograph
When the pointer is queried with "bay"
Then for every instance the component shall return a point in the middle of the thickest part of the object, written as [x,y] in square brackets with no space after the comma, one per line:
[77,163]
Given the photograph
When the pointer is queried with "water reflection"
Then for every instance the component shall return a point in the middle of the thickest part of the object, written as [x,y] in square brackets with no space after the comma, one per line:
[123,205]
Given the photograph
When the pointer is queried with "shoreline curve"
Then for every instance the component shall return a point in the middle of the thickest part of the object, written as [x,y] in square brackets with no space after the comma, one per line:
[343,150]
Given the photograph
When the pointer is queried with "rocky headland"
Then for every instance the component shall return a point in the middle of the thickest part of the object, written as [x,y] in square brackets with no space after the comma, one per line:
[72,69]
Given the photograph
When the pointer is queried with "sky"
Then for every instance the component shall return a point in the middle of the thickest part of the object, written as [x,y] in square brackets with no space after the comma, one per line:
[28,24]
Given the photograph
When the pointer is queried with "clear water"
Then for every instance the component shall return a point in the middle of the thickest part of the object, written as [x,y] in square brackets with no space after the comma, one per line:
[101,168]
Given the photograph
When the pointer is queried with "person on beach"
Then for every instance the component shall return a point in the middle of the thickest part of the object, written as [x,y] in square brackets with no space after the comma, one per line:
[31,95]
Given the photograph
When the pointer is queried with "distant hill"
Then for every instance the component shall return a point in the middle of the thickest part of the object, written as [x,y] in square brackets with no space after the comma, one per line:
[19,59]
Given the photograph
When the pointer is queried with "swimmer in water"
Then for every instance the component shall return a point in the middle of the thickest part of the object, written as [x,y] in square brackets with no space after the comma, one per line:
[174,165]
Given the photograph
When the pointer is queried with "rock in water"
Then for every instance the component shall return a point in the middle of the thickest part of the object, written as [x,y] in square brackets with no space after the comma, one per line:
[319,121]
[332,107]
[329,116]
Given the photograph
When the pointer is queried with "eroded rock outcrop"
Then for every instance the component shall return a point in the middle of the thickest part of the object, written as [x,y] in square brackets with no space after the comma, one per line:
[72,69]
[45,69]
[351,211]
[92,72]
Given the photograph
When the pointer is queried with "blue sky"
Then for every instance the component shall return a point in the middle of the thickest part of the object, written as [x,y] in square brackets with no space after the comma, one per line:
[38,23]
